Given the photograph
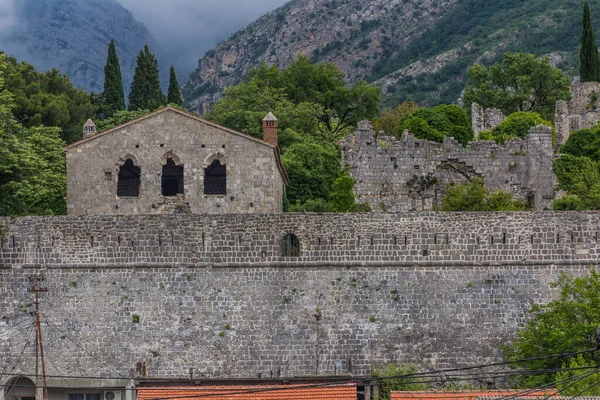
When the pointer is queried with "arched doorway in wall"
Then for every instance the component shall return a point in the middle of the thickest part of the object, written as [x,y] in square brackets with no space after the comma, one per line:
[18,388]
[128,184]
[215,178]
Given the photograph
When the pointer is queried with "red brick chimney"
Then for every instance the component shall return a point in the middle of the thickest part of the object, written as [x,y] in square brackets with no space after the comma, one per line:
[270,129]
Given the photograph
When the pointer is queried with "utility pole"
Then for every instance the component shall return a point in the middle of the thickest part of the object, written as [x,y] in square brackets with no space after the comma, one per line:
[39,345]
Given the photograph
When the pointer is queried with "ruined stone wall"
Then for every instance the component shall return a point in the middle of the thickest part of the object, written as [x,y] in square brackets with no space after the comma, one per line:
[383,168]
[485,119]
[254,183]
[214,294]
[581,112]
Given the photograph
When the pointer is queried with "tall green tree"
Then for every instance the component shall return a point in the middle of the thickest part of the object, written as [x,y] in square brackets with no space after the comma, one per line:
[174,95]
[145,88]
[521,82]
[113,95]
[588,55]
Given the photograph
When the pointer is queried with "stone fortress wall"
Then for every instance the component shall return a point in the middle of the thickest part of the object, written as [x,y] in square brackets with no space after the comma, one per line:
[383,168]
[215,295]
[580,112]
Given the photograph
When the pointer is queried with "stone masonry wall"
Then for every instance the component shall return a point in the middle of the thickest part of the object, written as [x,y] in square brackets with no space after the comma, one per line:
[254,183]
[214,294]
[485,119]
[579,113]
[383,168]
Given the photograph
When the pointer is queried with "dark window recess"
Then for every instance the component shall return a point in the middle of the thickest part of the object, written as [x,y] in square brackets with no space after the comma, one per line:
[215,178]
[172,179]
[290,246]
[129,180]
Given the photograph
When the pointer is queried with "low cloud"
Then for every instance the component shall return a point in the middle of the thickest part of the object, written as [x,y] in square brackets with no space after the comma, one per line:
[186,29]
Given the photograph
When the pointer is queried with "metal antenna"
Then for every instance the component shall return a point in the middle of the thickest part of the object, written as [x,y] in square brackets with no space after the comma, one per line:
[39,345]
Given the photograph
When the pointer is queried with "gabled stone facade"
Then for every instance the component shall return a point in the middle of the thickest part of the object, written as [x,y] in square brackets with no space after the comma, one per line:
[412,174]
[173,162]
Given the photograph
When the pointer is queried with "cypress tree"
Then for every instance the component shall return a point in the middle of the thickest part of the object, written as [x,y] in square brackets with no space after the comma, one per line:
[588,55]
[146,93]
[113,96]
[174,95]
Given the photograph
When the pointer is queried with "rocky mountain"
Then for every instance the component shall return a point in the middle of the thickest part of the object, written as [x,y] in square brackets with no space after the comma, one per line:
[73,36]
[414,49]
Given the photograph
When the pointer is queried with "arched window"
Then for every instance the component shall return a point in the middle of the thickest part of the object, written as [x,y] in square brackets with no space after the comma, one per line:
[215,178]
[172,178]
[290,246]
[129,180]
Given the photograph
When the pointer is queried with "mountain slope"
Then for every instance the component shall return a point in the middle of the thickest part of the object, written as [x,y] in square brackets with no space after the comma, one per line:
[73,36]
[417,50]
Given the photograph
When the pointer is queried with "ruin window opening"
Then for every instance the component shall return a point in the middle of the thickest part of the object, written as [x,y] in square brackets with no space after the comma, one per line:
[504,238]
[215,178]
[128,184]
[290,246]
[172,179]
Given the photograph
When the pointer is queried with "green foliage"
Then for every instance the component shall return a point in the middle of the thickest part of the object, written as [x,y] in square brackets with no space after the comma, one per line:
[580,178]
[474,197]
[174,95]
[520,82]
[583,143]
[435,123]
[570,383]
[397,384]
[32,171]
[312,168]
[421,183]
[342,198]
[113,96]
[589,69]
[146,93]
[46,98]
[390,119]
[564,325]
[306,97]
[516,125]
[119,118]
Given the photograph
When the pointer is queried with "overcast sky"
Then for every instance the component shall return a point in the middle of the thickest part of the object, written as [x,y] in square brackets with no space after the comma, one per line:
[188,28]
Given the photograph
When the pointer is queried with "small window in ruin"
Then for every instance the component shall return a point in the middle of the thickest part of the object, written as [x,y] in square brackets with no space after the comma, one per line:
[129,180]
[290,246]
[417,167]
[107,176]
[172,179]
[215,178]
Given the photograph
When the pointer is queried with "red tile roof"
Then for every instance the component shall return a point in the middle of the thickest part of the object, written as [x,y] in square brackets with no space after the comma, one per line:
[469,394]
[246,392]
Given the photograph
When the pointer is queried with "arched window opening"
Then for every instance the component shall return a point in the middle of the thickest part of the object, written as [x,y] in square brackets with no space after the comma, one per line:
[129,180]
[215,178]
[290,246]
[172,179]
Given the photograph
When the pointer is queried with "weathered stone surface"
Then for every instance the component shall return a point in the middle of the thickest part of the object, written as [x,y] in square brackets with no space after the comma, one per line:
[254,179]
[383,168]
[485,119]
[438,289]
[580,112]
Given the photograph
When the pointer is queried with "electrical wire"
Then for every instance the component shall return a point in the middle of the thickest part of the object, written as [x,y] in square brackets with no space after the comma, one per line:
[13,327]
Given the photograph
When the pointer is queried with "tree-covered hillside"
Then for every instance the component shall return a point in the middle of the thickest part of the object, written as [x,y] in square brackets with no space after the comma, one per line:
[415,50]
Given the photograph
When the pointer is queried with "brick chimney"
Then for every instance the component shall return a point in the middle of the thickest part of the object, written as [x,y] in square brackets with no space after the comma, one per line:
[270,129]
[89,129]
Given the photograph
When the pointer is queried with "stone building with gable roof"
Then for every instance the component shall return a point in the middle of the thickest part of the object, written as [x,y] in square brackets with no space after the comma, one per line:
[170,162]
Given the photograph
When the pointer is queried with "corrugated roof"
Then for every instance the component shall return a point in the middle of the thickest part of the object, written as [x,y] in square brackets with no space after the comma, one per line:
[469,394]
[249,392]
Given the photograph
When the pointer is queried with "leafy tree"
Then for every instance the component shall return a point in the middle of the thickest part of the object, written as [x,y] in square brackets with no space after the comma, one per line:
[519,83]
[566,324]
[397,384]
[119,118]
[570,382]
[583,143]
[313,169]
[32,171]
[516,125]
[390,119]
[146,93]
[435,123]
[589,70]
[474,197]
[580,178]
[174,95]
[113,96]
[47,99]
